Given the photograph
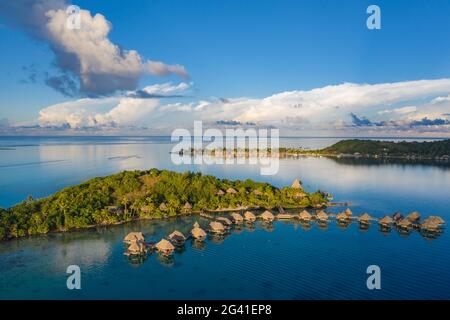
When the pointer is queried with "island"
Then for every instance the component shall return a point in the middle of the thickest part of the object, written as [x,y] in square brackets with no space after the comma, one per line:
[149,194]
[352,148]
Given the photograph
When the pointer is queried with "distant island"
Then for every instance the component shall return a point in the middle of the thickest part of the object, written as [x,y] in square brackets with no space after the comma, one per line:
[133,195]
[355,148]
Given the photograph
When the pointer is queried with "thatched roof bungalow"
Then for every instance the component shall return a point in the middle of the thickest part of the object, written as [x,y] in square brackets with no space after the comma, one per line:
[386,221]
[249,216]
[177,237]
[322,216]
[267,216]
[305,216]
[257,192]
[136,248]
[163,207]
[435,219]
[237,218]
[397,216]
[220,192]
[187,207]
[134,237]
[164,247]
[198,233]
[216,227]
[342,217]
[296,185]
[348,212]
[231,191]
[225,221]
[364,218]
[414,216]
[405,224]
[429,226]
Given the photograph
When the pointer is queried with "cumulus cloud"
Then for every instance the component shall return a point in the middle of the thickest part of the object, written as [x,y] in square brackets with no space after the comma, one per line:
[332,108]
[84,56]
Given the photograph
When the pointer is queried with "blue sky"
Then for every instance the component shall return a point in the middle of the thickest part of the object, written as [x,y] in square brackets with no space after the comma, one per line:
[251,49]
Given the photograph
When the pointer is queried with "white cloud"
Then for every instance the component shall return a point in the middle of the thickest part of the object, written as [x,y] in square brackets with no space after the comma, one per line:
[326,108]
[86,55]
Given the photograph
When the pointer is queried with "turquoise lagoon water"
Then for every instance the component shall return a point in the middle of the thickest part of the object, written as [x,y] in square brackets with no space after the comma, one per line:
[286,261]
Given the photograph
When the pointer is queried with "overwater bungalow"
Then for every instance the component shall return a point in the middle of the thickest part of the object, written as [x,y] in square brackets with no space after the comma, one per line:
[267,216]
[177,238]
[386,221]
[435,219]
[365,218]
[231,191]
[342,218]
[296,185]
[165,247]
[414,216]
[305,216]
[348,212]
[321,216]
[136,248]
[405,224]
[397,216]
[249,216]
[216,227]
[134,237]
[237,218]
[429,226]
[198,233]
[225,221]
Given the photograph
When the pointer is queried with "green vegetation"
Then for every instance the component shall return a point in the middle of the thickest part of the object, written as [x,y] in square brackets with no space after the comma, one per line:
[133,195]
[373,148]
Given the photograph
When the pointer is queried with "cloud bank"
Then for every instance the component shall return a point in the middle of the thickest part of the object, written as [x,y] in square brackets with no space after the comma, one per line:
[401,108]
[88,63]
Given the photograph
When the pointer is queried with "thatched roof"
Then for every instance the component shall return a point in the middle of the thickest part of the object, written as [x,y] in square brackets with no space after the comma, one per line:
[196,225]
[177,236]
[386,220]
[220,193]
[321,215]
[365,217]
[348,212]
[198,233]
[414,216]
[224,220]
[217,226]
[429,226]
[136,248]
[187,206]
[164,245]
[257,193]
[134,237]
[341,216]
[296,185]
[237,217]
[305,215]
[163,206]
[397,216]
[249,216]
[231,191]
[406,223]
[435,219]
[267,216]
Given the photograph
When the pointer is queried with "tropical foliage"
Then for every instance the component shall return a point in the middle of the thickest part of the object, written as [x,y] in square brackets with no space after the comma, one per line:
[140,194]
